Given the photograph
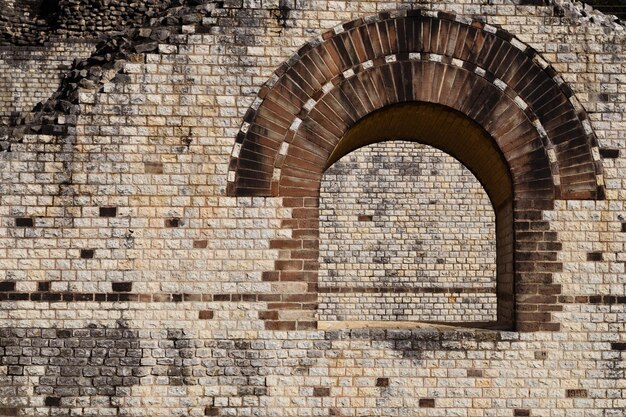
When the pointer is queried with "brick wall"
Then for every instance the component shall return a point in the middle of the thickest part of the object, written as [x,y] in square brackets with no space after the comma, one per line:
[33,22]
[132,284]
[30,74]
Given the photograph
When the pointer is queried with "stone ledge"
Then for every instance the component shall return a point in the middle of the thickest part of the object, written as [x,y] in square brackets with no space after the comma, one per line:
[410,325]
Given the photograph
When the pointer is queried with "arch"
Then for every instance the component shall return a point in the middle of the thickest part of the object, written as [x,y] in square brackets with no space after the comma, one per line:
[440,127]
[462,138]
[416,55]
[302,117]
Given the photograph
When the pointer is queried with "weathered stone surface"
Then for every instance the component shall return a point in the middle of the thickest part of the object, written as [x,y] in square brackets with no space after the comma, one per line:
[197,300]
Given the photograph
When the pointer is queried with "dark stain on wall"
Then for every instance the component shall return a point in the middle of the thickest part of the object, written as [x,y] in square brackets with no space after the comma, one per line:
[178,347]
[71,363]
[32,22]
[282,14]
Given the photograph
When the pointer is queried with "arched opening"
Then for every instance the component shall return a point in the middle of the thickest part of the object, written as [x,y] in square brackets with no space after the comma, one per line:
[407,234]
[345,89]
[456,135]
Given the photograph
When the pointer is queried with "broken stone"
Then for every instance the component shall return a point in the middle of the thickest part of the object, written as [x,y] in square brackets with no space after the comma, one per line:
[146,47]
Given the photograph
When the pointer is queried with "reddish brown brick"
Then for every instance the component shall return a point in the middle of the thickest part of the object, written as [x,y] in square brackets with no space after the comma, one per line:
[382,382]
[321,392]
[427,402]
[280,325]
[153,168]
[205,315]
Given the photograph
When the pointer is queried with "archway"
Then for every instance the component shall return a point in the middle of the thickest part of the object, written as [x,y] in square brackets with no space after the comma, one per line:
[407,235]
[482,75]
[457,135]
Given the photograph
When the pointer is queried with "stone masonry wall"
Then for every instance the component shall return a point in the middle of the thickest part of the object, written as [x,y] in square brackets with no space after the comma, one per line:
[30,74]
[406,233]
[130,284]
[40,39]
[33,22]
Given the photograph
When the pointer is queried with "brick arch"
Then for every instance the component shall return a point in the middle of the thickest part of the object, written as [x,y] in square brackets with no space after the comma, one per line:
[461,137]
[440,127]
[416,55]
[297,124]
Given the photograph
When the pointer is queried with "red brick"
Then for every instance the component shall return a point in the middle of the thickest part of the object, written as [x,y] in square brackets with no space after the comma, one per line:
[321,392]
[205,315]
[280,325]
[427,402]
[285,244]
[200,244]
[293,265]
[268,315]
[306,325]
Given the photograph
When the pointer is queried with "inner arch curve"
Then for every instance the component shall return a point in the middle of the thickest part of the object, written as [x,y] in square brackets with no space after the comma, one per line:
[440,127]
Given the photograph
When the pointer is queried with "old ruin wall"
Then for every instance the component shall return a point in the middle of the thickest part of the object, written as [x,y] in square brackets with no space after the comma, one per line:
[132,284]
